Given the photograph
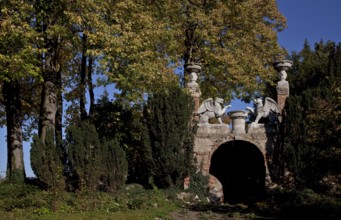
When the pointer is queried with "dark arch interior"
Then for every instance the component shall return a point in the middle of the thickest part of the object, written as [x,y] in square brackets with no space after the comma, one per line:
[239,166]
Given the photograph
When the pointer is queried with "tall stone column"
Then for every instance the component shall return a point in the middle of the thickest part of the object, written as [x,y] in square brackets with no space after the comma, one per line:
[194,69]
[282,85]
[282,95]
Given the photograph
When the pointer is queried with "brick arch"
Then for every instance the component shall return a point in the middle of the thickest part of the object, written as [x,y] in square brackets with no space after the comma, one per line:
[257,143]
[239,168]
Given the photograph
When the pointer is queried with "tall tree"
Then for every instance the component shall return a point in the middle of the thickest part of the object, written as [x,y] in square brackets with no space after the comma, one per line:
[15,163]
[89,23]
[17,64]
[236,41]
[49,24]
[312,147]
[69,31]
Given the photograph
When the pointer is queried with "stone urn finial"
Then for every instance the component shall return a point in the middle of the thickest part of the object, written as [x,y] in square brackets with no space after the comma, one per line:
[282,66]
[283,85]
[238,121]
[193,67]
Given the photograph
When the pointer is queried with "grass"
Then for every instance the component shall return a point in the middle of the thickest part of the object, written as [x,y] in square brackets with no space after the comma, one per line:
[140,214]
[134,202]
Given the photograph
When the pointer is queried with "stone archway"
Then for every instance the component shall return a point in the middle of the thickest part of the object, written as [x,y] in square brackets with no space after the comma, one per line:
[240,168]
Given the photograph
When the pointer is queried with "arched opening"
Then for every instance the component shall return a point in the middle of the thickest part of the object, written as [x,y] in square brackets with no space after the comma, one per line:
[240,168]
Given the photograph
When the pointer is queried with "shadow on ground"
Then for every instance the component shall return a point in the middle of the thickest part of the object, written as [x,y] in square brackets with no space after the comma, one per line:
[279,209]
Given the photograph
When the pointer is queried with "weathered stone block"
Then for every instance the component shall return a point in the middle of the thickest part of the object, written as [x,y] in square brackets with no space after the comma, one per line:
[213,131]
[202,145]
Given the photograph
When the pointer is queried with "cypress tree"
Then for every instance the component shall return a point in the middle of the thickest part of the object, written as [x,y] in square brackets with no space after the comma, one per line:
[114,166]
[84,149]
[168,136]
[121,122]
[46,163]
[94,165]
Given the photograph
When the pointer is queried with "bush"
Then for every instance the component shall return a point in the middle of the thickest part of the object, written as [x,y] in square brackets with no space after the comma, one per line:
[19,196]
[94,165]
[199,185]
[168,136]
[84,149]
[46,163]
[114,166]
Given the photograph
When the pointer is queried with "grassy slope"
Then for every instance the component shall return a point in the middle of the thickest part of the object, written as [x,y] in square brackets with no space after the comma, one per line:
[134,202]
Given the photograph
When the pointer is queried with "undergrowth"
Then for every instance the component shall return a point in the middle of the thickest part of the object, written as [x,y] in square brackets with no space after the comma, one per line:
[30,202]
[134,202]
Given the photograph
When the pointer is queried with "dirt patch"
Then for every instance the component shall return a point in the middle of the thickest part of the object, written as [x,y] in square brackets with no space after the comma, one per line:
[193,215]
[186,214]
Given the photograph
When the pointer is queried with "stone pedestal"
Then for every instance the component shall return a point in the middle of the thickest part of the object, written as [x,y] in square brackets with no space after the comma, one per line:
[196,100]
[282,86]
[282,93]
[193,70]
[238,121]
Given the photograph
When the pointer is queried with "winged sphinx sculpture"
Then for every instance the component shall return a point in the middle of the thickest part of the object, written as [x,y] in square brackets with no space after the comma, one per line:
[269,109]
[211,109]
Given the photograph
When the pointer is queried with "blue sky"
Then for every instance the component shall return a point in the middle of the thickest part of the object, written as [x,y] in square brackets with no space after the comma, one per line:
[309,19]
[306,19]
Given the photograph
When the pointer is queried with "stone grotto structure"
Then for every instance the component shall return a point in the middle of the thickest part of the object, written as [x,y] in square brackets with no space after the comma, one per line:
[238,160]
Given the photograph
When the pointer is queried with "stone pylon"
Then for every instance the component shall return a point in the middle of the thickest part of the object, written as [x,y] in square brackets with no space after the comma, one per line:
[193,69]
[282,85]
[282,94]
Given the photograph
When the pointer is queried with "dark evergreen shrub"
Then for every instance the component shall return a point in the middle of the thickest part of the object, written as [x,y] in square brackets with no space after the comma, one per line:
[46,163]
[120,121]
[84,156]
[312,125]
[94,165]
[168,136]
[114,166]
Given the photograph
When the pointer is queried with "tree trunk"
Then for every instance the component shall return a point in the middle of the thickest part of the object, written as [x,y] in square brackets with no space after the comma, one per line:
[190,42]
[15,160]
[59,119]
[59,113]
[82,86]
[49,98]
[91,87]
[49,109]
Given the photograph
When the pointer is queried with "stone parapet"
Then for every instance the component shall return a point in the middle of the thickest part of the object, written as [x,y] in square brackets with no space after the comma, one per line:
[213,131]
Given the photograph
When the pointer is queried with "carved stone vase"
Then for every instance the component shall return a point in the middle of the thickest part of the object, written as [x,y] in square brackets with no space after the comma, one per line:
[238,121]
[282,66]
[193,67]
[192,70]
